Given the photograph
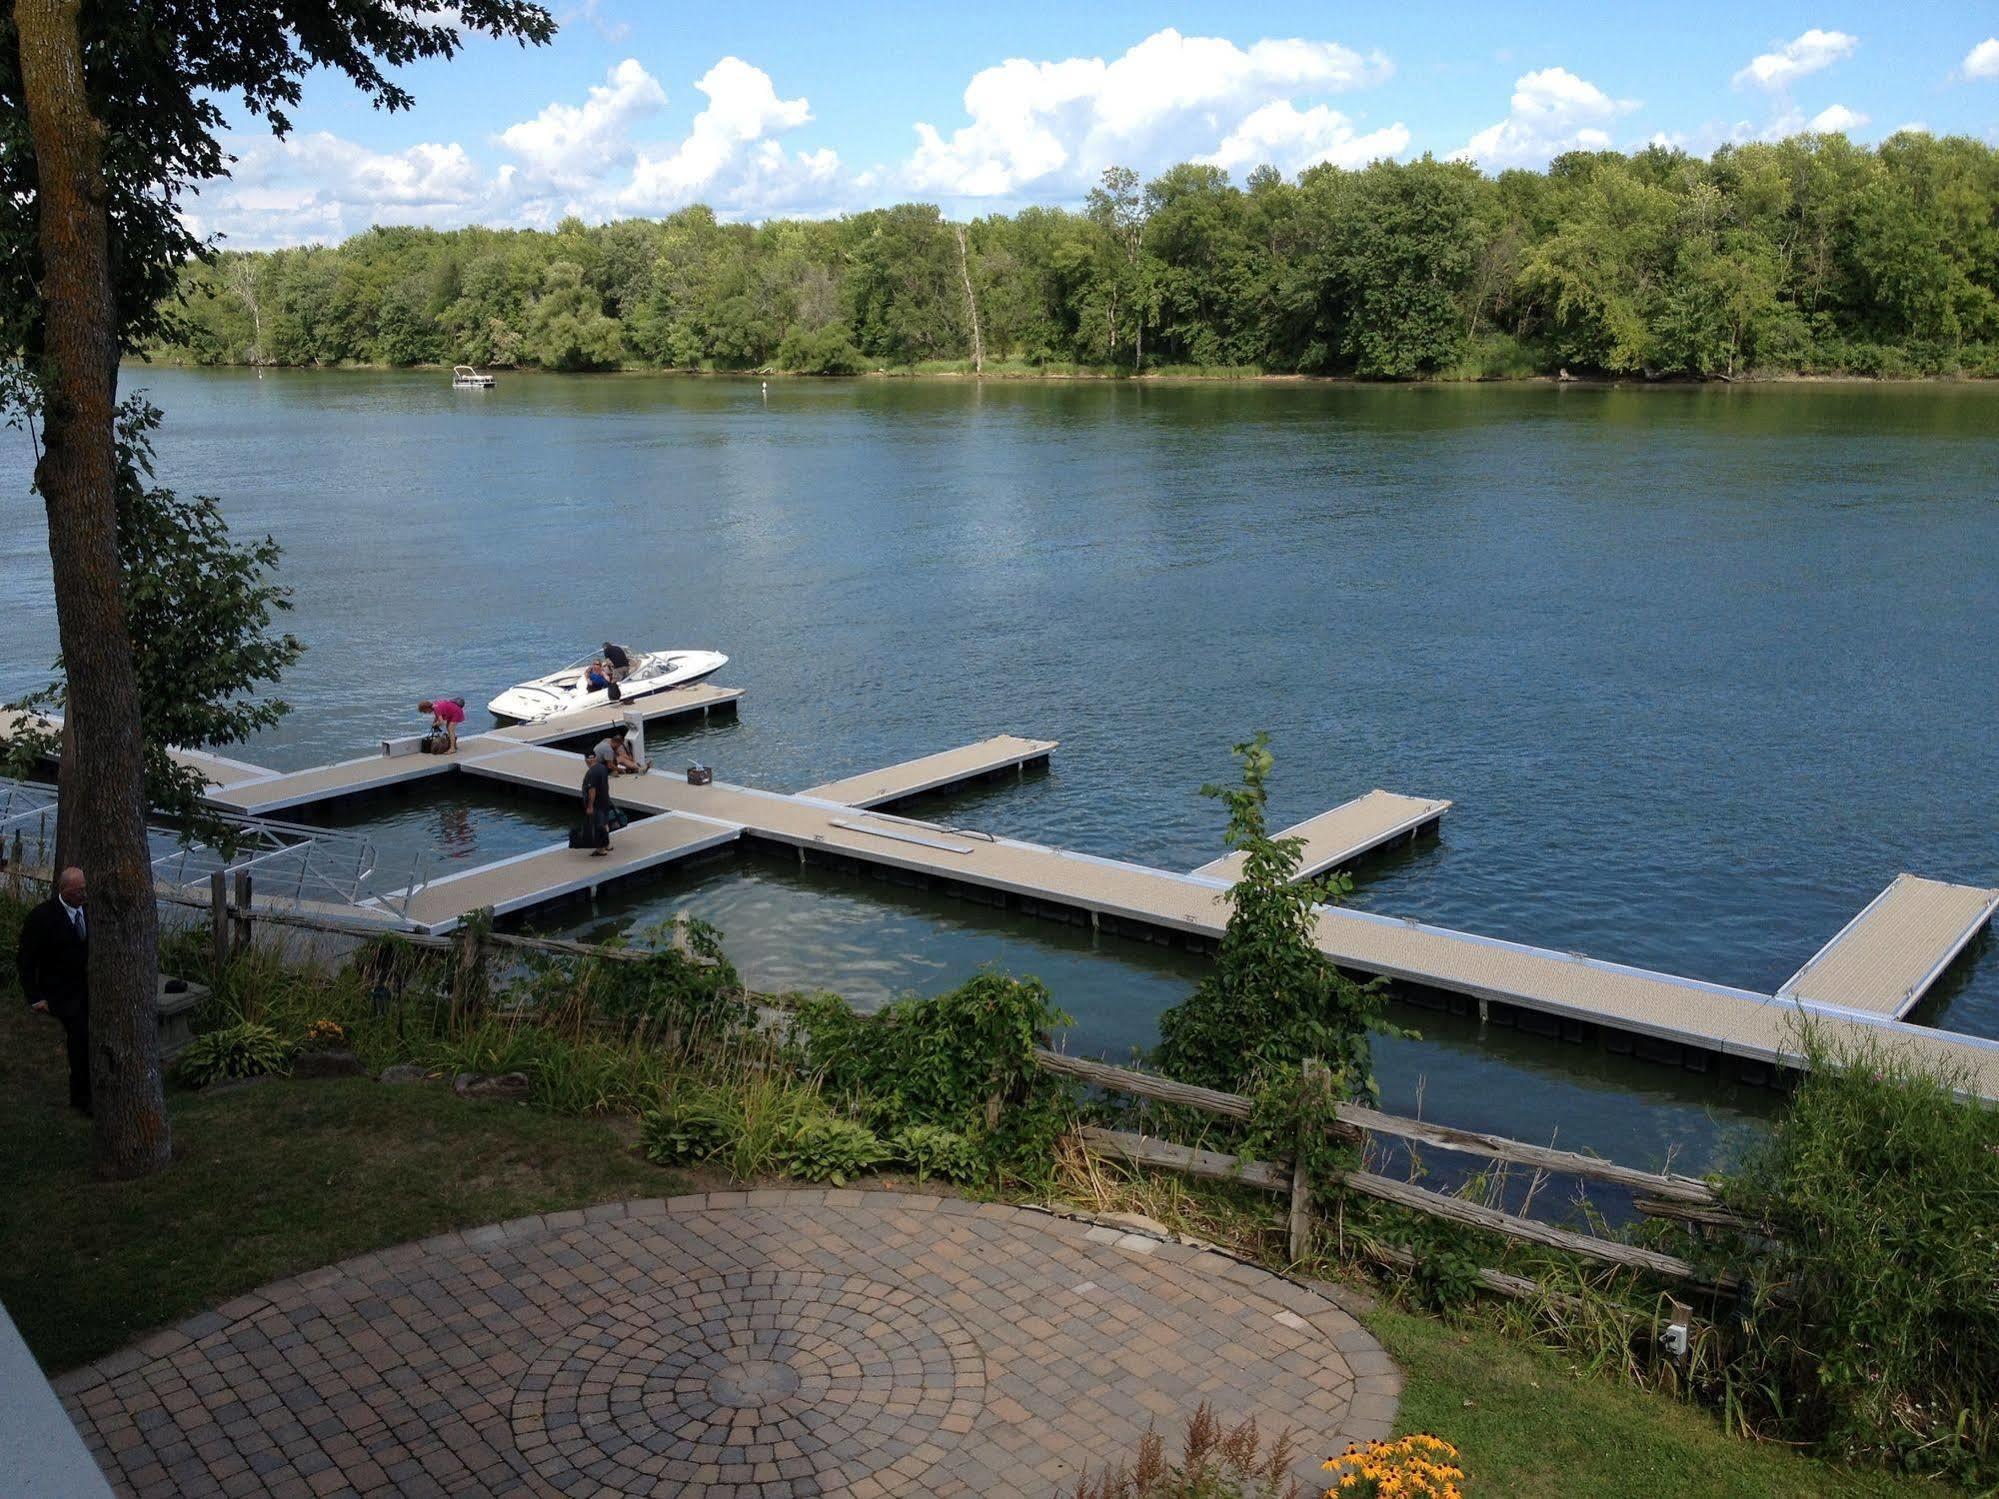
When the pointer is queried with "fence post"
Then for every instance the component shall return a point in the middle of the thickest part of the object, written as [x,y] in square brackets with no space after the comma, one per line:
[1315,1087]
[242,909]
[218,923]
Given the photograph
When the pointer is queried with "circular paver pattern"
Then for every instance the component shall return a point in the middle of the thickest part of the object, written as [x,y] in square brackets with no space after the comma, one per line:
[705,1373]
[763,1345]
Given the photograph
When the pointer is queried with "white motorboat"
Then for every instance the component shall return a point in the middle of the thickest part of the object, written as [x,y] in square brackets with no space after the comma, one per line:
[464,377]
[568,691]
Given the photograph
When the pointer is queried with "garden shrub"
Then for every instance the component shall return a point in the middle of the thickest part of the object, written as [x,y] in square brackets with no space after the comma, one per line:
[832,1149]
[1214,1464]
[961,1060]
[246,1049]
[931,1150]
[690,1126]
[1876,1309]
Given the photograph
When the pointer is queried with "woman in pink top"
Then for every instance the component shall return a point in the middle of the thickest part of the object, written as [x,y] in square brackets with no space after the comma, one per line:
[446,714]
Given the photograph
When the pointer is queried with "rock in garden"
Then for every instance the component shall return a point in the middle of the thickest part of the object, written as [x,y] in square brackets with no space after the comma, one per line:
[506,1085]
[405,1072]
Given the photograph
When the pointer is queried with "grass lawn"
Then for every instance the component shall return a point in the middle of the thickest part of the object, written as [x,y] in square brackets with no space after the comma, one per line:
[1530,1430]
[267,1181]
[275,1179]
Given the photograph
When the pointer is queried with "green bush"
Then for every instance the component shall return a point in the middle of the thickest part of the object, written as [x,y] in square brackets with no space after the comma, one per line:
[1876,1319]
[932,1150]
[832,1149]
[690,1126]
[243,1050]
[821,351]
[962,1060]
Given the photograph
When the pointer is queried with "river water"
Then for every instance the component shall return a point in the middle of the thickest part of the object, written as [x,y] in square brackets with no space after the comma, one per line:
[1701,668]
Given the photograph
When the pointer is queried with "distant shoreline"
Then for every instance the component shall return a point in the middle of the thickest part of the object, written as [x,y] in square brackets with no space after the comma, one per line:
[1149,377]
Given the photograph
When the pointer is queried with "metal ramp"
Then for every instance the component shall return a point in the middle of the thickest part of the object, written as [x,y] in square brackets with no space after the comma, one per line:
[1885,959]
[291,866]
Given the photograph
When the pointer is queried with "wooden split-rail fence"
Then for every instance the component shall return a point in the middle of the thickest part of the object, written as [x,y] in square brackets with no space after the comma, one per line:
[1656,1194]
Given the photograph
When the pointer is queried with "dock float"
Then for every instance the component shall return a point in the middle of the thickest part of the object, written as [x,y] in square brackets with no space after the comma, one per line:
[269,792]
[218,770]
[1563,987]
[1886,958]
[894,783]
[531,879]
[1853,993]
[1341,836]
[676,702]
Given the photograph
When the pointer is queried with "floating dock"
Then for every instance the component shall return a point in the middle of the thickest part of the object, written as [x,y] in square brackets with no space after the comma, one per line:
[1854,992]
[1349,831]
[1886,958]
[548,874]
[219,770]
[271,792]
[1657,1009]
[971,762]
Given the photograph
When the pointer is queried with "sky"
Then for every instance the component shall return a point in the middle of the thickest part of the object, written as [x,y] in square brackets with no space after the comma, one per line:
[775,109]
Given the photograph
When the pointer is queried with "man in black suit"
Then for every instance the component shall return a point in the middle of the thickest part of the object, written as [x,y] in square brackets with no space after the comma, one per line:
[54,964]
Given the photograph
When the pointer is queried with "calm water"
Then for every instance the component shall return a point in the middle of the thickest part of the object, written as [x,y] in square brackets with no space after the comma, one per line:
[1701,668]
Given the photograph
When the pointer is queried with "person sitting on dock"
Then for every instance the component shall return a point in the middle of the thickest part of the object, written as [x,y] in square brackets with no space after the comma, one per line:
[446,714]
[618,660]
[615,750]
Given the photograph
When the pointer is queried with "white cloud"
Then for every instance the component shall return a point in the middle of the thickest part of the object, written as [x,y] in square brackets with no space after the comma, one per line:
[1982,61]
[1837,119]
[571,145]
[1808,52]
[318,186]
[1048,129]
[1292,139]
[727,146]
[1553,111]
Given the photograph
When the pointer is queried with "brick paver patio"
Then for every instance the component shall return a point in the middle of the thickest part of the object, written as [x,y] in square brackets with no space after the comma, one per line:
[756,1345]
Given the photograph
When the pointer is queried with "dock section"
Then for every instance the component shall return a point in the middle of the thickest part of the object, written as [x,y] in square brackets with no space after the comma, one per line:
[547,874]
[218,770]
[1885,959]
[268,792]
[970,762]
[1690,1012]
[1350,830]
[676,702]
[275,791]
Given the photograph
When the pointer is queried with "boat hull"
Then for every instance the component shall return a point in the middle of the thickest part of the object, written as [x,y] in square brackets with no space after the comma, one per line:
[563,692]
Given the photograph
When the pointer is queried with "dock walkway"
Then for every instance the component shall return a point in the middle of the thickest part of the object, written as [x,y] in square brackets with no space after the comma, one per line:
[270,792]
[1344,834]
[1708,1016]
[547,874]
[219,770]
[894,783]
[1886,958]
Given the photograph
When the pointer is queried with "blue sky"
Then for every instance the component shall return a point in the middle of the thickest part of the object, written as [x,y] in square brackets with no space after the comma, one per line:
[779,108]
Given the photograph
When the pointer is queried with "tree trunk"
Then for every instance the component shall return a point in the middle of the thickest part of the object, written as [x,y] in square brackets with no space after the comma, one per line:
[102,806]
[971,303]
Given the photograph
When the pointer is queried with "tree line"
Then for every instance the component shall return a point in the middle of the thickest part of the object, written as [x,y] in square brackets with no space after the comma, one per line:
[1811,254]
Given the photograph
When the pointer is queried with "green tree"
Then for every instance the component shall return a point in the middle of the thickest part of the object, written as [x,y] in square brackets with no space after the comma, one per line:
[567,327]
[107,116]
[1273,999]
